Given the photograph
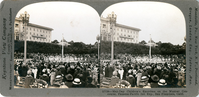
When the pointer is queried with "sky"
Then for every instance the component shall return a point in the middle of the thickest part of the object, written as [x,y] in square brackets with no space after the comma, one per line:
[163,21]
[81,23]
[76,21]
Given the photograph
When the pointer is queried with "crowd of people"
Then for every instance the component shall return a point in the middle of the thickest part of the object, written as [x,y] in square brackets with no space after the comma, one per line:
[40,73]
[134,72]
[128,71]
[57,57]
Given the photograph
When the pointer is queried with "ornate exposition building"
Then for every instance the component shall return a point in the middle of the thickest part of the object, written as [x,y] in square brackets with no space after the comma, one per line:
[121,33]
[32,32]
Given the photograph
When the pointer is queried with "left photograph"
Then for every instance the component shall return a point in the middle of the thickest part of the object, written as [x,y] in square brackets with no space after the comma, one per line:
[56,45]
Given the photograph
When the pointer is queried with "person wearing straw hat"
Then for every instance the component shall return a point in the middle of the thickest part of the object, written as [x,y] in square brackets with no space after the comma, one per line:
[143,81]
[52,75]
[138,76]
[76,83]
[58,80]
[28,79]
[114,78]
[162,83]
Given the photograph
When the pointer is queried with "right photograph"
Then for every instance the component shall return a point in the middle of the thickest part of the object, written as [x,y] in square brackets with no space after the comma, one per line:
[142,45]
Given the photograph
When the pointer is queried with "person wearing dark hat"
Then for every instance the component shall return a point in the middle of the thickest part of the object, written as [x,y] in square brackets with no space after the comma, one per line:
[110,69]
[76,83]
[106,71]
[131,80]
[24,70]
[89,81]
[154,81]
[69,80]
[28,79]
[45,78]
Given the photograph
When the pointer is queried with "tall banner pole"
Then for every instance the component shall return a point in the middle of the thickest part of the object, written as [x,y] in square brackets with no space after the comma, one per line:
[62,47]
[150,50]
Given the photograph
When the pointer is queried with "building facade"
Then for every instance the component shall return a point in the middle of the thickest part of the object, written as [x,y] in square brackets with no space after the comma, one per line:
[33,32]
[121,33]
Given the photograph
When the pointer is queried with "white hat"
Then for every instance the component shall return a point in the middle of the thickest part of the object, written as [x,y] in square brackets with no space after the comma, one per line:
[162,82]
[76,81]
[144,77]
[114,73]
[130,75]
[58,76]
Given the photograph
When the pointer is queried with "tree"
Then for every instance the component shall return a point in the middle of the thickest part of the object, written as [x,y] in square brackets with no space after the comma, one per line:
[142,42]
[54,41]
[63,40]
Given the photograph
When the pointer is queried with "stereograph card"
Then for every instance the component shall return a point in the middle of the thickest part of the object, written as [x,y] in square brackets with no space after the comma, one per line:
[99,48]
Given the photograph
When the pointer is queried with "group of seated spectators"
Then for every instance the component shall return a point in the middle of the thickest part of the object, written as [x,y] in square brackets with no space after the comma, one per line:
[56,74]
[139,74]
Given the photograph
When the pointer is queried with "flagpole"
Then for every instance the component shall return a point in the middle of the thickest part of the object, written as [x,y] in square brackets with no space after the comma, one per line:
[62,47]
[150,50]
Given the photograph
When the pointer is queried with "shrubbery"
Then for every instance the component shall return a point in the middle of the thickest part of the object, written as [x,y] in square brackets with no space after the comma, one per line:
[105,47]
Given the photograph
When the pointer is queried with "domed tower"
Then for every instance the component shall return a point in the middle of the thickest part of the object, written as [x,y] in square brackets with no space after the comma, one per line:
[112,18]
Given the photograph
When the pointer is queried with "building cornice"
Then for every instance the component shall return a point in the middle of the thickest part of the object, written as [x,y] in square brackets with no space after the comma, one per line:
[128,27]
[39,26]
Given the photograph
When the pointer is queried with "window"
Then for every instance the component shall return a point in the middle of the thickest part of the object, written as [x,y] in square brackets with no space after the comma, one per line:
[104,25]
[16,25]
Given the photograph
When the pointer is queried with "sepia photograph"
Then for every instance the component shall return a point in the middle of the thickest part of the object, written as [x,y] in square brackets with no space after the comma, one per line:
[142,46]
[56,45]
[88,48]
